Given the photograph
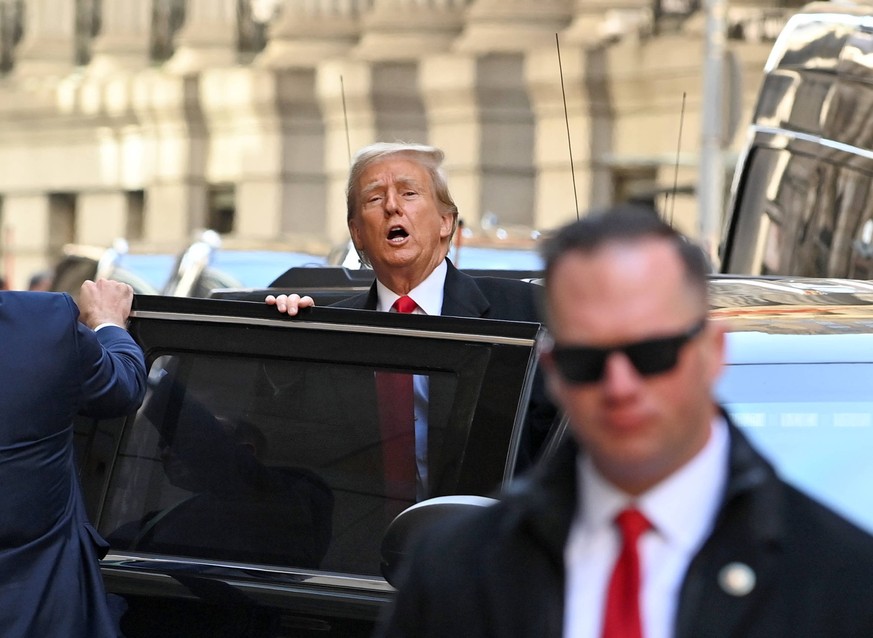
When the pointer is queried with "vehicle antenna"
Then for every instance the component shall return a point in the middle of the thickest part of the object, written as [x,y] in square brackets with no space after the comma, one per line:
[346,119]
[567,123]
[676,166]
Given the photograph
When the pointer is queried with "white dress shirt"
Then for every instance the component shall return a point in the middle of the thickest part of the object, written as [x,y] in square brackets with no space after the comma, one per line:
[108,323]
[682,510]
[428,296]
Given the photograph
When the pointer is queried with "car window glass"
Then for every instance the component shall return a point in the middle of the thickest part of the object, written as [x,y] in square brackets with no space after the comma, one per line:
[798,215]
[154,268]
[815,423]
[484,258]
[270,461]
[257,269]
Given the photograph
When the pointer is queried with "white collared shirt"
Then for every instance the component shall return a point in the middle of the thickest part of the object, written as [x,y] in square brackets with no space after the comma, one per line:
[428,296]
[682,510]
[106,324]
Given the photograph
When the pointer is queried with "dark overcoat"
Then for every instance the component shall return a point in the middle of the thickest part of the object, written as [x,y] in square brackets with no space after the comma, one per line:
[499,571]
[53,368]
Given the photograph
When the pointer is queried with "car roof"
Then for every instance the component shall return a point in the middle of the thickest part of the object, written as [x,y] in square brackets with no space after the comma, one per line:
[799,319]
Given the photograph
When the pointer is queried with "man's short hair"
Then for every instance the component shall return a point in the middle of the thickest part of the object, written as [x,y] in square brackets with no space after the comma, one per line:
[623,224]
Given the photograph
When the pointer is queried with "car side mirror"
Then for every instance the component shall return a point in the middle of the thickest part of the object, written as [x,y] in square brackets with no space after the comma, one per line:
[413,521]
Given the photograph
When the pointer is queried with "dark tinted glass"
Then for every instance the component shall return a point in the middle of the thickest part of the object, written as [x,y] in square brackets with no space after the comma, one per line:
[276,462]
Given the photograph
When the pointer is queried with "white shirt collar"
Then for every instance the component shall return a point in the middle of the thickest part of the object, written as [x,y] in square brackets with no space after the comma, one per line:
[428,294]
[682,507]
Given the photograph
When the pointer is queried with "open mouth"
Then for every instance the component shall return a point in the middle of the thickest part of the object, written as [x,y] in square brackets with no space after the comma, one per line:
[397,233]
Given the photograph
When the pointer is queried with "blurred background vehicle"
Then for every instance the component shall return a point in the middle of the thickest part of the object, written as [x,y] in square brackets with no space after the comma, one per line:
[492,247]
[802,195]
[206,263]
[146,268]
[492,251]
[211,262]
[799,381]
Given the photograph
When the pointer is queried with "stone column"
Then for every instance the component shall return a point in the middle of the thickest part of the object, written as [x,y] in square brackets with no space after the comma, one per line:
[364,103]
[479,114]
[343,90]
[647,79]
[513,25]
[500,176]
[409,29]
[101,217]
[309,31]
[208,39]
[266,136]
[11,15]
[174,150]
[295,176]
[123,43]
[48,45]
[34,230]
[559,193]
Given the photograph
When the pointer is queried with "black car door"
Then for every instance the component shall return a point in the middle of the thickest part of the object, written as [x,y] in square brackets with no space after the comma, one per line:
[248,495]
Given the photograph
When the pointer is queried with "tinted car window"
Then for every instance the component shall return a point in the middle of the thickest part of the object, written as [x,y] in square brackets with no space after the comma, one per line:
[276,462]
[260,441]
[814,421]
[484,258]
[256,269]
[154,268]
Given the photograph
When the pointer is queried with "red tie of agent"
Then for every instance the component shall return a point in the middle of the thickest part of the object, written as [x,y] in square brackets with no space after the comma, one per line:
[622,618]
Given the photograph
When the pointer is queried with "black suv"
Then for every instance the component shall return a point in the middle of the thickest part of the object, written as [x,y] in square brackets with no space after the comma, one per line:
[247,496]
[803,187]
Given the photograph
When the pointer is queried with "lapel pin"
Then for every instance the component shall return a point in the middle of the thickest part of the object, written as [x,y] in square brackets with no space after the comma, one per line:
[737,579]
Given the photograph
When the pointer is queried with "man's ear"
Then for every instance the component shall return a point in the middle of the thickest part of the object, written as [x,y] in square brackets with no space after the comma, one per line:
[718,346]
[447,224]
[354,233]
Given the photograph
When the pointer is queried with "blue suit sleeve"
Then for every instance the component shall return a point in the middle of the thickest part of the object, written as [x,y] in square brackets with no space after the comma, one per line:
[113,371]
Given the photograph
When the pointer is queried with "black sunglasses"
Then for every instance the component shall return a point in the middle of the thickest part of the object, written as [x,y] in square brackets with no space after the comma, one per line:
[584,364]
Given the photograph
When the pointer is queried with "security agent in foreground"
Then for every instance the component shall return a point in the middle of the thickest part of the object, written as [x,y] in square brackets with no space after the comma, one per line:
[724,548]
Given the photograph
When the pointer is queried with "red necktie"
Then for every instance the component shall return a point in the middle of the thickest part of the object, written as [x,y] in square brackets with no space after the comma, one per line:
[397,425]
[622,618]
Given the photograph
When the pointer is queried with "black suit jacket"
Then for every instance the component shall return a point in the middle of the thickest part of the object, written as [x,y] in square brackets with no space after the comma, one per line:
[499,571]
[491,298]
[466,296]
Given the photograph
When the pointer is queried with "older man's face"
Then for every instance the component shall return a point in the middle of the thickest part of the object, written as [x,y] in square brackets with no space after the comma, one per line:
[398,223]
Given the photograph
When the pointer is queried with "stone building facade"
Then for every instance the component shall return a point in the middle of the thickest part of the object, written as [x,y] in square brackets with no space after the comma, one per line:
[151,118]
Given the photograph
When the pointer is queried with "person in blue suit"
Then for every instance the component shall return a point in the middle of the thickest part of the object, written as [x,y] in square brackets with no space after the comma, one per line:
[57,360]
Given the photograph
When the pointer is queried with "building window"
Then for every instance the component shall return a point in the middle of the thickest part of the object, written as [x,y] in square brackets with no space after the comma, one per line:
[11,30]
[135,214]
[86,28]
[62,220]
[222,208]
[168,16]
